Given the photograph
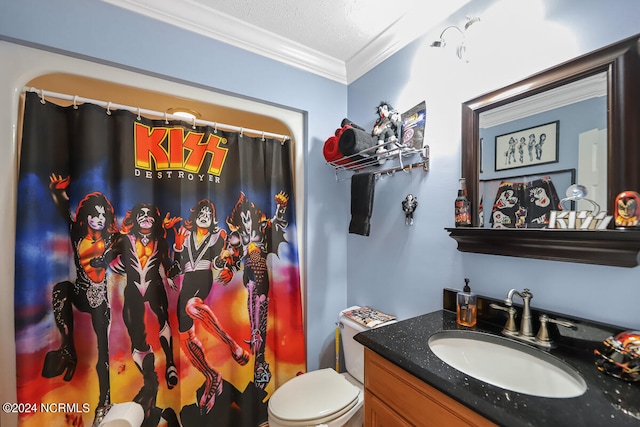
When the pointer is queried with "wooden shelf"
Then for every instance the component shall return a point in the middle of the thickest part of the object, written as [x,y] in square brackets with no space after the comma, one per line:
[618,248]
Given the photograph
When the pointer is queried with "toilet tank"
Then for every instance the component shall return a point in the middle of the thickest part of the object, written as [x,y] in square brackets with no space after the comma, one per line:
[353,350]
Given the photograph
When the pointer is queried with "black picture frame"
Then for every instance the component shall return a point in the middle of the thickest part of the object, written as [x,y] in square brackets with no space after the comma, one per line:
[532,146]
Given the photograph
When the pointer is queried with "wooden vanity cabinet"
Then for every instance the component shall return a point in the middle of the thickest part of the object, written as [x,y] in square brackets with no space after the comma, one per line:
[394,397]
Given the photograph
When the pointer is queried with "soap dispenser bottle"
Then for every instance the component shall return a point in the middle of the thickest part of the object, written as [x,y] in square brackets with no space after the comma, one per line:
[466,309]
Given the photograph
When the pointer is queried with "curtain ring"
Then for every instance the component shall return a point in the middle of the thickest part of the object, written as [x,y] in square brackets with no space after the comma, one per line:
[284,139]
[42,97]
[262,136]
[241,132]
[109,108]
[139,118]
[75,102]
[166,120]
[193,126]
[215,128]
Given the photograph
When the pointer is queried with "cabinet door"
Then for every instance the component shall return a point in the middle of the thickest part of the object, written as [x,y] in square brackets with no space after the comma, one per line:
[392,391]
[377,414]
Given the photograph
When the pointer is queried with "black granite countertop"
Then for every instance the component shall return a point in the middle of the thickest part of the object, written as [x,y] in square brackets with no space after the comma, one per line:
[608,401]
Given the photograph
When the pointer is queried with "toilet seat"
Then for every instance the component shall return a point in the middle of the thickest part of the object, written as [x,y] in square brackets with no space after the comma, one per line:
[313,398]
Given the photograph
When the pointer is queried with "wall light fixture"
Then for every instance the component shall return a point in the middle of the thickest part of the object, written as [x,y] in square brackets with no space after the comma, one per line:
[461,48]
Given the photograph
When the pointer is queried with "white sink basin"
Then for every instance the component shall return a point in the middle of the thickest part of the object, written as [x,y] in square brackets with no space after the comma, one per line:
[507,364]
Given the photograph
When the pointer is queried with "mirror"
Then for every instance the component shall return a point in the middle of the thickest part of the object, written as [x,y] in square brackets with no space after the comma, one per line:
[548,141]
[612,74]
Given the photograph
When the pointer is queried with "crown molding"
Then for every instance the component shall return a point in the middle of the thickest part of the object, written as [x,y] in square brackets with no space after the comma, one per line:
[589,87]
[373,54]
[405,30]
[198,18]
[230,30]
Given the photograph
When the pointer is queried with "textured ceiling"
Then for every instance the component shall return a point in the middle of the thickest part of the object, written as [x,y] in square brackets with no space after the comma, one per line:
[338,28]
[340,39]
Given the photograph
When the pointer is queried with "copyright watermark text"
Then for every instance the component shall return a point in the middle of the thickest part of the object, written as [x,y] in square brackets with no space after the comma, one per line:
[32,408]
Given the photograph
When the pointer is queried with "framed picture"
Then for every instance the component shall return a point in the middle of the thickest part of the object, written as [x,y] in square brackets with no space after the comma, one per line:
[555,188]
[528,147]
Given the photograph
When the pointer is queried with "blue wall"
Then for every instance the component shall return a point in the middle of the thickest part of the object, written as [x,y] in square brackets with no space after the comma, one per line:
[402,270]
[572,121]
[95,30]
[398,269]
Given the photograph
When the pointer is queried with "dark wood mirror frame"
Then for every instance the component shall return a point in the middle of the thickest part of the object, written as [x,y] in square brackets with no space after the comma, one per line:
[621,61]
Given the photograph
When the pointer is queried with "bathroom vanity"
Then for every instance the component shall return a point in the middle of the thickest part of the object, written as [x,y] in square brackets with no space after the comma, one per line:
[406,384]
[394,397]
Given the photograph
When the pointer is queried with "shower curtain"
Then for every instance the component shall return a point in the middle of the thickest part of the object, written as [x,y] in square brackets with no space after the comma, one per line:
[156,262]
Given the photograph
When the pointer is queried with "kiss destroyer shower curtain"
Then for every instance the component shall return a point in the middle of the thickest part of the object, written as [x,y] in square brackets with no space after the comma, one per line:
[156,262]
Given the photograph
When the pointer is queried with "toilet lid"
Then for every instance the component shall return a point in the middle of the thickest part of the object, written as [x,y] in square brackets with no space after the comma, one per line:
[317,394]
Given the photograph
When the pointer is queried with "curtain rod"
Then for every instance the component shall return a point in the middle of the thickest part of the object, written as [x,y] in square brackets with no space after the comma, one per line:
[111,105]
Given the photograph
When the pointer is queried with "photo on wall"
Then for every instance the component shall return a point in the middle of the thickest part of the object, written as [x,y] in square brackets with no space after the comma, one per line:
[528,147]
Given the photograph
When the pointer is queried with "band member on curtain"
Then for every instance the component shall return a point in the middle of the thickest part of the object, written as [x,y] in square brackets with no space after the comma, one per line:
[252,237]
[141,252]
[92,231]
[197,247]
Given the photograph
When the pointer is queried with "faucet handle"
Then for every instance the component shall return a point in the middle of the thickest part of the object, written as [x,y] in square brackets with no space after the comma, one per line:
[510,326]
[543,332]
[564,323]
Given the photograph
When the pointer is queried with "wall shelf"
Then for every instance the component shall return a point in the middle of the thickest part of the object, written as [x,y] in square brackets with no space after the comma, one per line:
[618,248]
[368,161]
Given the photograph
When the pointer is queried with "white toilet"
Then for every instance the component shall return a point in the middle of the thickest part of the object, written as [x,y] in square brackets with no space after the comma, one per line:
[324,397]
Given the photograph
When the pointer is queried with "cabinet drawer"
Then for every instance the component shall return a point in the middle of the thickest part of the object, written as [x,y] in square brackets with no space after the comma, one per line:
[412,399]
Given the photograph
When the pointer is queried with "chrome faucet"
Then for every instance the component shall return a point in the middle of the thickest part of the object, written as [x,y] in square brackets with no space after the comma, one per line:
[526,329]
